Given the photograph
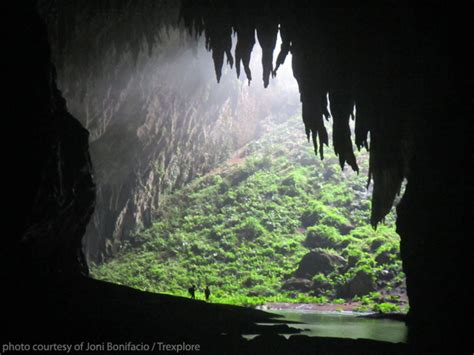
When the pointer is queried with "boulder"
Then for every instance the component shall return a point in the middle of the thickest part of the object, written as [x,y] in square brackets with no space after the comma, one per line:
[318,261]
[321,237]
[383,258]
[345,228]
[298,284]
[352,260]
[376,243]
[386,275]
[320,286]
[361,284]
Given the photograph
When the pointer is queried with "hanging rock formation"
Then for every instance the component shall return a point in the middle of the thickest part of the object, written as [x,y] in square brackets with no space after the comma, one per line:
[352,54]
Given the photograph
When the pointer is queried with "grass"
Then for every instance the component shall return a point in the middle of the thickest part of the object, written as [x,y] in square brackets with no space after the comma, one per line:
[244,228]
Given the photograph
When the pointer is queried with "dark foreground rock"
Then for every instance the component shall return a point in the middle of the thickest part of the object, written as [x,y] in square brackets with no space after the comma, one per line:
[96,312]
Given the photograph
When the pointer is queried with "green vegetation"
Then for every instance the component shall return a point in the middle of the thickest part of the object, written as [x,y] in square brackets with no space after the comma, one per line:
[245,227]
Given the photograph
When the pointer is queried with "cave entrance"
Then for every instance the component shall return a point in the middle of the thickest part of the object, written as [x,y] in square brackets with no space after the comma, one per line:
[216,184]
[115,73]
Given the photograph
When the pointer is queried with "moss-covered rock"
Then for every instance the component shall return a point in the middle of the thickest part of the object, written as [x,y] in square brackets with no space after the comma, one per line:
[322,236]
[318,261]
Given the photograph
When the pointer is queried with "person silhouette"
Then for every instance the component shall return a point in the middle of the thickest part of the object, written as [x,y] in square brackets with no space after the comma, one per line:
[207,292]
[192,291]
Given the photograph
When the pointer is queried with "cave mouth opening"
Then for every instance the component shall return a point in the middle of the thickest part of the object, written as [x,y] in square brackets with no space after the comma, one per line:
[407,94]
[257,216]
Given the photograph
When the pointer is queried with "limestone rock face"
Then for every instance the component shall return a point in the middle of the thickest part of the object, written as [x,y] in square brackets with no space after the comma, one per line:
[156,126]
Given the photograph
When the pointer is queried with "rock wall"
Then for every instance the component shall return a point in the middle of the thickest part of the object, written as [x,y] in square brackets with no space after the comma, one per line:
[432,221]
[156,125]
[50,172]
[435,212]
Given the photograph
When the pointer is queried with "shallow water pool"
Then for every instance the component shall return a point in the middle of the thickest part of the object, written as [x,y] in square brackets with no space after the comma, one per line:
[345,325]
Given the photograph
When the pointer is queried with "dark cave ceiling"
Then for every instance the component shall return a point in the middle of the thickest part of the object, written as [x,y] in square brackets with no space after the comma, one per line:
[368,57]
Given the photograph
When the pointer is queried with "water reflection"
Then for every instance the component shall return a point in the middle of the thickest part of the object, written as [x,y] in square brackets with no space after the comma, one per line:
[346,325]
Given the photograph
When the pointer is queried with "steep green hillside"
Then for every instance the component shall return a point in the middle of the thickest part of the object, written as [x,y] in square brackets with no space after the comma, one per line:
[273,223]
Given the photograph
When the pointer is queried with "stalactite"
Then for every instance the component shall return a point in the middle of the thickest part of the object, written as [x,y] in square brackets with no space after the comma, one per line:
[336,50]
[267,35]
[353,53]
[243,49]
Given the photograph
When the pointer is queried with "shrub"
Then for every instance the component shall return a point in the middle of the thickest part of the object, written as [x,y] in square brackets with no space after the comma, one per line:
[250,229]
[245,225]
[334,218]
[322,236]
[386,307]
[313,214]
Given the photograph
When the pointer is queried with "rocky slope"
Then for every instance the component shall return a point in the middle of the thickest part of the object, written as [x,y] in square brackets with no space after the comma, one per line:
[157,125]
[272,223]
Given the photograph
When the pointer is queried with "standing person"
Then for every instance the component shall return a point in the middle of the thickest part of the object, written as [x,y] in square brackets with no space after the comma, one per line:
[192,291]
[207,293]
